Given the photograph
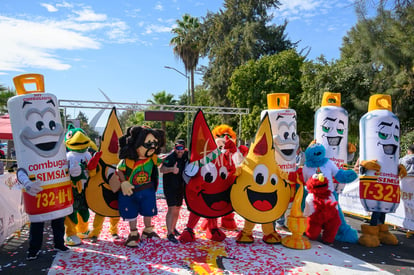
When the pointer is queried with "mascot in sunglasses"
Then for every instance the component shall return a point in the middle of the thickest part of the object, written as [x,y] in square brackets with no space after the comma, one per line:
[138,173]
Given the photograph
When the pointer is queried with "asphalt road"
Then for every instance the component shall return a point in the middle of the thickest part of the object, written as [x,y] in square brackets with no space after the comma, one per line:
[395,259]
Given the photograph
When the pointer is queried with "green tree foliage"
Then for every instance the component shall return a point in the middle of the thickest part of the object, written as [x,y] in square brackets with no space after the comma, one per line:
[384,44]
[186,45]
[250,84]
[239,32]
[351,79]
[84,125]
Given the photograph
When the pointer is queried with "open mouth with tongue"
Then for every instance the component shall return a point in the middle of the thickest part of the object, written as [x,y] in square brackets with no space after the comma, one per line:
[217,201]
[262,201]
[111,198]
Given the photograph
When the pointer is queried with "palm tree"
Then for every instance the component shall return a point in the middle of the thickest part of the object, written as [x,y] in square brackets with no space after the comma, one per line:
[186,46]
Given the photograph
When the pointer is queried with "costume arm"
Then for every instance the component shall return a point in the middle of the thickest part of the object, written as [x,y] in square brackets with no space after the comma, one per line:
[32,187]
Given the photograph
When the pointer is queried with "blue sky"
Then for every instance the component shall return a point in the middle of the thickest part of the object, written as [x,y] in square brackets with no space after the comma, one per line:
[121,47]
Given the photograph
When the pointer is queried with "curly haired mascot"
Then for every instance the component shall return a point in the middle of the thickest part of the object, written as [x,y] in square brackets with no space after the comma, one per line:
[321,210]
[138,173]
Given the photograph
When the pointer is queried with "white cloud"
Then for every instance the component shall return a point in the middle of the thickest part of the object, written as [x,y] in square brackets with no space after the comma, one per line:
[31,44]
[159,7]
[50,8]
[35,41]
[88,14]
[156,28]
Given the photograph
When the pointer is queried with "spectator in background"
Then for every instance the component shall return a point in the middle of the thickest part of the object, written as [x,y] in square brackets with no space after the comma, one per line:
[408,161]
[173,183]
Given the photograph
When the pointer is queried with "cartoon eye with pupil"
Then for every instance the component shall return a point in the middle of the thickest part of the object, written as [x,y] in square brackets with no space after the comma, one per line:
[382,135]
[68,134]
[286,135]
[396,138]
[209,173]
[52,125]
[340,131]
[326,129]
[260,174]
[273,179]
[223,173]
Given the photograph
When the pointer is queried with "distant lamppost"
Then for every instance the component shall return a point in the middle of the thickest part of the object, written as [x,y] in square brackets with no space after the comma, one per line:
[188,98]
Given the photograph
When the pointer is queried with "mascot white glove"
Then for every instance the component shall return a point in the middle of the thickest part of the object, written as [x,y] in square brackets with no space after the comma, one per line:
[127,188]
[75,169]
[32,187]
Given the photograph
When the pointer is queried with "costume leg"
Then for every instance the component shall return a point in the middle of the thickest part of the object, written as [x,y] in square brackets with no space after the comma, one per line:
[270,236]
[213,232]
[149,232]
[113,225]
[35,236]
[385,236]
[71,237]
[330,229]
[58,228]
[345,232]
[246,235]
[97,226]
[369,237]
[82,228]
[313,228]
[188,233]
[228,222]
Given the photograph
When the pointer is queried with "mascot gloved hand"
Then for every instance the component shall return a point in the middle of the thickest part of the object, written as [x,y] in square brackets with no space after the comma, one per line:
[32,187]
[317,162]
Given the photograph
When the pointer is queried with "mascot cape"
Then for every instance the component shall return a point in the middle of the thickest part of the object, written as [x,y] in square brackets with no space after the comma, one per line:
[100,192]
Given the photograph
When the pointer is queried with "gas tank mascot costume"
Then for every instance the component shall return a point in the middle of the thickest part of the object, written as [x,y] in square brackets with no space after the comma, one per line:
[221,134]
[102,190]
[261,193]
[38,137]
[321,210]
[379,169]
[316,162]
[77,144]
[138,173]
[211,174]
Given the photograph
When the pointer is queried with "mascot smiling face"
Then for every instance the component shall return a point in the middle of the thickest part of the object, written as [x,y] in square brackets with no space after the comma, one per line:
[207,193]
[259,194]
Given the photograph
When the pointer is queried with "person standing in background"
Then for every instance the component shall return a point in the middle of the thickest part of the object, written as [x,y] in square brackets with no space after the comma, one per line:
[408,161]
[173,183]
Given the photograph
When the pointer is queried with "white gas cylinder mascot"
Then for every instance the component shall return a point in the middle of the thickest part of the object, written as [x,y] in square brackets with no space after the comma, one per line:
[41,157]
[379,169]
[331,130]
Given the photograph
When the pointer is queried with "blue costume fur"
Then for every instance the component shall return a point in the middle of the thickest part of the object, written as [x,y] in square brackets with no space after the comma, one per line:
[316,160]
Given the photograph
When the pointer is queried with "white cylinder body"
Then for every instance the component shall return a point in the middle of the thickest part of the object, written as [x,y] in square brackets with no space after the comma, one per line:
[380,140]
[38,137]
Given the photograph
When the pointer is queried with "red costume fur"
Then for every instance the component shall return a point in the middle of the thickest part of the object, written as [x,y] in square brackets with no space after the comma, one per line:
[322,206]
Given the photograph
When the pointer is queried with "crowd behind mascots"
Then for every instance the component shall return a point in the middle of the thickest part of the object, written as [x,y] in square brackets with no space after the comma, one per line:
[215,177]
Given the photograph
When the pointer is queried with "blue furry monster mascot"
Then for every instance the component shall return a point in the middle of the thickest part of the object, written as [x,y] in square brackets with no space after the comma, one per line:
[317,162]
[138,173]
[78,156]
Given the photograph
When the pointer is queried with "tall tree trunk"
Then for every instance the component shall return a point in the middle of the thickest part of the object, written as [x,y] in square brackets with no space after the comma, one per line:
[192,86]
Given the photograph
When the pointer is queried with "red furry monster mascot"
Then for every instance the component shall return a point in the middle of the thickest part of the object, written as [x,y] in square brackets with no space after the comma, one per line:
[211,173]
[221,134]
[321,210]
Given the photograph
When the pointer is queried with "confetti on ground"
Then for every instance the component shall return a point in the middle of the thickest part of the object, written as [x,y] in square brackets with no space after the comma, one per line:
[159,256]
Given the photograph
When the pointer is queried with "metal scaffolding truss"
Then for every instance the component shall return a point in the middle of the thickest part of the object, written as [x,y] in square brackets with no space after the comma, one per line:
[64,103]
